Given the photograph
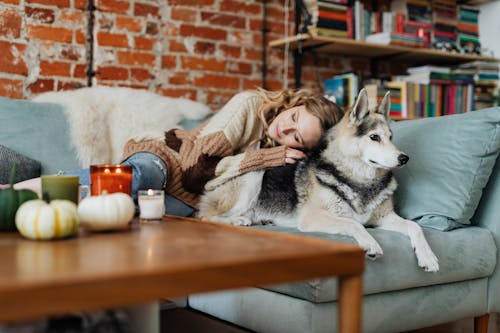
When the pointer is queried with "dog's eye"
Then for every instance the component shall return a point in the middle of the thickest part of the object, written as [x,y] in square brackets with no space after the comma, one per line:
[375,137]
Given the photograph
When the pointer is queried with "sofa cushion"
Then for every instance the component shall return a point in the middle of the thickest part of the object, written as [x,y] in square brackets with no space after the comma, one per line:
[37,130]
[26,168]
[464,254]
[451,159]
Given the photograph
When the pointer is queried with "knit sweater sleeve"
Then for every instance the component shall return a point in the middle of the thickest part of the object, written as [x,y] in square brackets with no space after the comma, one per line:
[230,128]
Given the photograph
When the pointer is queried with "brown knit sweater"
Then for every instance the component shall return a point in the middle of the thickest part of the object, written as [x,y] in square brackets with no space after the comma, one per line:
[221,148]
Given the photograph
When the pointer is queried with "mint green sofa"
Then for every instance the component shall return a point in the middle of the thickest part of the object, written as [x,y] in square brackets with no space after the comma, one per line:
[451,185]
[453,170]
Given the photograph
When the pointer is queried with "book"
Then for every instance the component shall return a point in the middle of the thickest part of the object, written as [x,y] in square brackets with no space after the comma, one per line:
[342,89]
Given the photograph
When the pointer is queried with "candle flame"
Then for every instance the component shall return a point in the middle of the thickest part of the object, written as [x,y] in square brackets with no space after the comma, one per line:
[118,170]
[106,170]
[150,192]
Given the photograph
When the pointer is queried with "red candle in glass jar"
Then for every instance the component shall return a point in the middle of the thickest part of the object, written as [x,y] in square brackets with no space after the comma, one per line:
[111,178]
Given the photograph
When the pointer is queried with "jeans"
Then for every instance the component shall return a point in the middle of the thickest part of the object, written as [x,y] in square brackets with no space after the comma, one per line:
[148,172]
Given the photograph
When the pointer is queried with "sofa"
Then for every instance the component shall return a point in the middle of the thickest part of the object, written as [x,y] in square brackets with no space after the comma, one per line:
[451,186]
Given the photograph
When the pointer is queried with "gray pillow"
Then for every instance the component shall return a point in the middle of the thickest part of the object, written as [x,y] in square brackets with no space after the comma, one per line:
[451,160]
[27,168]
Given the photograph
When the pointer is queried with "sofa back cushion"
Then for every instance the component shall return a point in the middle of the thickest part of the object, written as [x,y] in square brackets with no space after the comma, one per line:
[451,159]
[39,131]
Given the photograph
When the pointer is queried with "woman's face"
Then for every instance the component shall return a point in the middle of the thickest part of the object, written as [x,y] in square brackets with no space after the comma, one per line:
[295,128]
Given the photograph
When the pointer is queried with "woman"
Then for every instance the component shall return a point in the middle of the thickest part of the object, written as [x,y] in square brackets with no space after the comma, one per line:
[253,131]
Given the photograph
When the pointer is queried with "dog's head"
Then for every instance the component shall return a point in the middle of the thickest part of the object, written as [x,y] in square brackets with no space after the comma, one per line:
[367,135]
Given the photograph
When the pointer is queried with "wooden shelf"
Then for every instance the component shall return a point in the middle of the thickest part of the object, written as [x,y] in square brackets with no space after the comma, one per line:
[350,47]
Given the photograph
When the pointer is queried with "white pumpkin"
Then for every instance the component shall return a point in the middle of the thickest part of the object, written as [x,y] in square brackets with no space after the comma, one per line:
[37,219]
[106,211]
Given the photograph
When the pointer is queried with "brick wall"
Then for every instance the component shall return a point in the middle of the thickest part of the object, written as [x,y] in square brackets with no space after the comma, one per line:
[205,50]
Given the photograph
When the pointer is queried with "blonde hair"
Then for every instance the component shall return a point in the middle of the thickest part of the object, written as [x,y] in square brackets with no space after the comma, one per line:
[276,102]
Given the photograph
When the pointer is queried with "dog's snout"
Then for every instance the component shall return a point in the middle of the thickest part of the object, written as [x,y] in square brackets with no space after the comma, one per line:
[403,159]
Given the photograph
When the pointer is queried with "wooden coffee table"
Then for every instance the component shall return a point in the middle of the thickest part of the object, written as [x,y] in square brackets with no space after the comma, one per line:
[173,258]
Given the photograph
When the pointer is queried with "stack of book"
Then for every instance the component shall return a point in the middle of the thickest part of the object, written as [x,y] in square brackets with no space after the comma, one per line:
[331,18]
[468,30]
[444,19]
[430,91]
[486,77]
[342,89]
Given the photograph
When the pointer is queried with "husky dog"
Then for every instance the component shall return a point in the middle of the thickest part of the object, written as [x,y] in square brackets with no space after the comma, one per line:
[344,185]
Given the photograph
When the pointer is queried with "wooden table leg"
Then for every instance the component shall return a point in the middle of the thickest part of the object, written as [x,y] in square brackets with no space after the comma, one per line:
[350,298]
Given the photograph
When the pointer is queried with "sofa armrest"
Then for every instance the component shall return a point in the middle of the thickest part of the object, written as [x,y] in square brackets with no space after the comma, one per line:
[487,216]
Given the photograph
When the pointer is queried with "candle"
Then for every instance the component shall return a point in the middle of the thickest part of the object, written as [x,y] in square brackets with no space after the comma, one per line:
[111,178]
[60,187]
[151,204]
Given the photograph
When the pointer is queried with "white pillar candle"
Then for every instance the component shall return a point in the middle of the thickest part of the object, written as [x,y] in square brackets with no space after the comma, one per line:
[151,204]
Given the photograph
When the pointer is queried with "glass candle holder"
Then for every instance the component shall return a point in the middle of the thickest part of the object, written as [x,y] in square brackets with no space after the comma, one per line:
[151,204]
[111,178]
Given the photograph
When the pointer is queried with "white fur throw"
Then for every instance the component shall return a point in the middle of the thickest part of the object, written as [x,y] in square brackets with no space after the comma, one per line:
[102,119]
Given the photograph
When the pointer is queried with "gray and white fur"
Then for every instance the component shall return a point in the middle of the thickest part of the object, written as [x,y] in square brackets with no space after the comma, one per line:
[345,185]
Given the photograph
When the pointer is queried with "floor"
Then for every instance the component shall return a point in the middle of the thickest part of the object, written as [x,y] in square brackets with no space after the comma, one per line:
[190,321]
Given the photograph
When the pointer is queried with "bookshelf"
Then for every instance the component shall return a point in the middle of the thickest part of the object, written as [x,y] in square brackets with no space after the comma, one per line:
[349,47]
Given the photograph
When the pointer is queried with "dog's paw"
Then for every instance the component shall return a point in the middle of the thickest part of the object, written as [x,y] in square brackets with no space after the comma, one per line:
[241,221]
[372,250]
[429,262]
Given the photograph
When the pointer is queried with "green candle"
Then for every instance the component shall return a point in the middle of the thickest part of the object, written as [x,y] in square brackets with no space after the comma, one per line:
[60,187]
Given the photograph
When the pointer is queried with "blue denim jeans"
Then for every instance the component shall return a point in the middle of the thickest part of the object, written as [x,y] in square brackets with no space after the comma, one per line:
[149,172]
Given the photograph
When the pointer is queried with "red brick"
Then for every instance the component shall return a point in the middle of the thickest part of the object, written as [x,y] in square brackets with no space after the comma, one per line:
[135,58]
[141,9]
[252,54]
[113,6]
[49,33]
[188,30]
[140,74]
[168,61]
[40,15]
[81,4]
[80,37]
[244,7]
[196,63]
[252,84]
[11,88]
[204,48]
[80,71]
[195,3]
[12,2]
[70,85]
[185,93]
[56,68]
[12,58]
[112,73]
[239,68]
[58,3]
[41,85]
[176,46]
[144,43]
[217,81]
[183,14]
[128,23]
[230,51]
[180,78]
[224,20]
[75,18]
[10,23]
[110,39]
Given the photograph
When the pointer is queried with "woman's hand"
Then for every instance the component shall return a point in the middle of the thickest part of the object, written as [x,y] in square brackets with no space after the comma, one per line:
[293,155]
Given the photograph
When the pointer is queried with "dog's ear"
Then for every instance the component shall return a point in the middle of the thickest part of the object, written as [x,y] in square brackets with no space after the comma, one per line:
[360,109]
[385,105]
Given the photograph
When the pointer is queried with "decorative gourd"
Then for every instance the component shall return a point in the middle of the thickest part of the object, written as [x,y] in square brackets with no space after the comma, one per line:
[37,219]
[106,211]
[10,200]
